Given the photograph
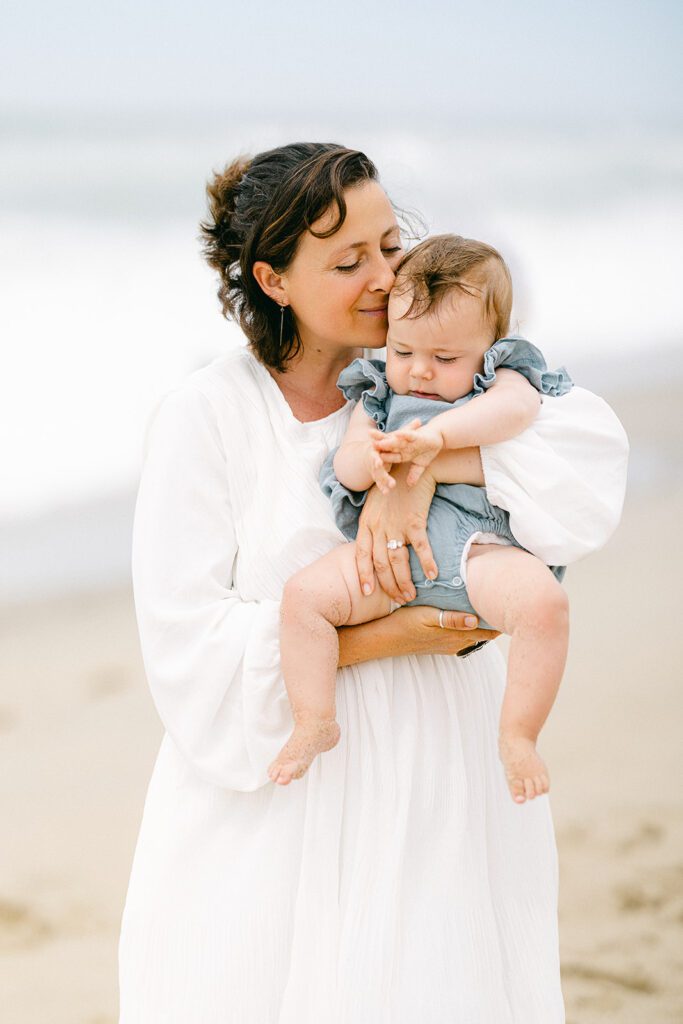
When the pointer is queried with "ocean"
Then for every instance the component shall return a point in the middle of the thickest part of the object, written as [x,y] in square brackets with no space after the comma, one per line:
[107,304]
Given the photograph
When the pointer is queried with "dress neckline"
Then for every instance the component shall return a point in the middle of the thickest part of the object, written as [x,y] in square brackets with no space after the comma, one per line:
[284,404]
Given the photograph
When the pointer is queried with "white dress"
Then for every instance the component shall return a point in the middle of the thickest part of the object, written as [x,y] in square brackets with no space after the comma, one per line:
[397,882]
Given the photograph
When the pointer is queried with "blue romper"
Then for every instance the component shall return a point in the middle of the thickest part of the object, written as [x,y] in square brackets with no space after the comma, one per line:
[458,510]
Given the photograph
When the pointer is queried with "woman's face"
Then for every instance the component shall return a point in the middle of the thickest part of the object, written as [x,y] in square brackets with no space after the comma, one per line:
[338,287]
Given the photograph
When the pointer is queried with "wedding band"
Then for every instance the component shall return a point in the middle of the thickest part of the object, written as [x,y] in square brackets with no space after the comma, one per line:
[441,619]
[394,544]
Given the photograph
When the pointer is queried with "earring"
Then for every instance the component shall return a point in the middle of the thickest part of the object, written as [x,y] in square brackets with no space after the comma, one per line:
[282,322]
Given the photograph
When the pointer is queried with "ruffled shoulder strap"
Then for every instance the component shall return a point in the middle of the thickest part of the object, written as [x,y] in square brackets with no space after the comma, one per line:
[518,354]
[365,379]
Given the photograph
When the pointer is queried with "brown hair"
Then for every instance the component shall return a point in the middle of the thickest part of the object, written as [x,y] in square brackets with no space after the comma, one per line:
[445,262]
[259,208]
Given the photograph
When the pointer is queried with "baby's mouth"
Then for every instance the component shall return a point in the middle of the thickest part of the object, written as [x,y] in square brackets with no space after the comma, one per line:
[424,394]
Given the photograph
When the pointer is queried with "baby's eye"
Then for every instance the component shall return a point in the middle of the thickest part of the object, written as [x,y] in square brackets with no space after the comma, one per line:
[444,359]
[397,353]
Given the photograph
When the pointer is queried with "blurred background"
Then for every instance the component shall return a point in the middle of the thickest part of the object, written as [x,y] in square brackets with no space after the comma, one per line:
[552,131]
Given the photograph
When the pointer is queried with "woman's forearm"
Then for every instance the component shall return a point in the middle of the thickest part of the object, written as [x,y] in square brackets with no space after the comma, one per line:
[458,467]
[413,630]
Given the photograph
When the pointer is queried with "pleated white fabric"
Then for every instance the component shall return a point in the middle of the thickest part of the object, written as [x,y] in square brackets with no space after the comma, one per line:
[397,882]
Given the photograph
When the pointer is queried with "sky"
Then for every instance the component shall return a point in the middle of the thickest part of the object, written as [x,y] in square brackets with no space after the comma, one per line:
[386,61]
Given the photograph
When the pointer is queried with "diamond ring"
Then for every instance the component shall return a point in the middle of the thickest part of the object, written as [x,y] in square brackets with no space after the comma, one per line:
[394,544]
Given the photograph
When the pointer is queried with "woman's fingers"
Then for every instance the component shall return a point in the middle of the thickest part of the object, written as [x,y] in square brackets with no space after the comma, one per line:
[366,571]
[384,569]
[459,620]
[400,564]
[422,548]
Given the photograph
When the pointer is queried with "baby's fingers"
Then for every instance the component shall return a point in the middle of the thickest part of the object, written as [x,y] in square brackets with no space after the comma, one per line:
[414,474]
[396,442]
[388,456]
[379,474]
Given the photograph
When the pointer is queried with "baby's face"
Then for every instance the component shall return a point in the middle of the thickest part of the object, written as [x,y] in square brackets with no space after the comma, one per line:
[436,356]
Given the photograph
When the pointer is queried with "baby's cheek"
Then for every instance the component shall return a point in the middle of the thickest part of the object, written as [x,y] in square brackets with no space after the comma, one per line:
[393,375]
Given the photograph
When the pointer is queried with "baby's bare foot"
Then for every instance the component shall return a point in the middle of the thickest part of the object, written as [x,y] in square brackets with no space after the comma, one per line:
[307,741]
[525,770]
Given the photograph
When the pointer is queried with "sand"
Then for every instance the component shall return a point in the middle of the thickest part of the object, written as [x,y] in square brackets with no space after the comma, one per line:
[78,736]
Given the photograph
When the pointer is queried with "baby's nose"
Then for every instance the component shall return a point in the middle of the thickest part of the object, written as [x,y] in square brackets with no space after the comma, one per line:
[422,371]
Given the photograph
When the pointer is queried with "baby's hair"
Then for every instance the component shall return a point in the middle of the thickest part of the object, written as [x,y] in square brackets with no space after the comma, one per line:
[443,263]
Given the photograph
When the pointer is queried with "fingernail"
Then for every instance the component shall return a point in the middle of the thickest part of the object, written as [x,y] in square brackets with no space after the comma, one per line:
[470,620]
[367,589]
[432,575]
[408,597]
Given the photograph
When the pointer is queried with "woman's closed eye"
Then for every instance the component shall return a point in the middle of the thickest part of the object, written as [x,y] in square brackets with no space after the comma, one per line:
[347,268]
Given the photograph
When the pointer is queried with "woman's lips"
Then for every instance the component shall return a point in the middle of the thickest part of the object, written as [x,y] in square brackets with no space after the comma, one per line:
[379,312]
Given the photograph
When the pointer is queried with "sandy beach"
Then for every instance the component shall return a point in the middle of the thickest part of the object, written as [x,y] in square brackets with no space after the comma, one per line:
[79,734]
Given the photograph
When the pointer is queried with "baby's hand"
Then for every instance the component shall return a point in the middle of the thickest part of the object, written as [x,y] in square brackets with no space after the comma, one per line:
[379,466]
[416,444]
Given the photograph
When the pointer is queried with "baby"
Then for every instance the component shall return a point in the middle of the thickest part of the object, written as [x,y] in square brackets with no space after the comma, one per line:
[447,344]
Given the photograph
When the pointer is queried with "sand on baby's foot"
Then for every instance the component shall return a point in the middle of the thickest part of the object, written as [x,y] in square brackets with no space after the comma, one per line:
[525,769]
[306,742]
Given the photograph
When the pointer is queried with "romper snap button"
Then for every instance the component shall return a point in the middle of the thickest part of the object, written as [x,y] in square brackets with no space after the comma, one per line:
[429,583]
[457,581]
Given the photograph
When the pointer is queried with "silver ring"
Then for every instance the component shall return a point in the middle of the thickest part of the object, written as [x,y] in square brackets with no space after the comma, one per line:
[441,619]
[394,544]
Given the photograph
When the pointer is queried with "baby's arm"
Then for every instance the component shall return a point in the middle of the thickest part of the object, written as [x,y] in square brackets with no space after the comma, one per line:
[358,465]
[502,412]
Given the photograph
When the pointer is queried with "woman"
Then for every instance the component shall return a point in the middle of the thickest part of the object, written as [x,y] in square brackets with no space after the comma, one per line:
[396,882]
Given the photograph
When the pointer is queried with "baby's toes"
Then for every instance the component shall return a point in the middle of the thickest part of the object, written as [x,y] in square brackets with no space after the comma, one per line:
[517,790]
[529,789]
[287,773]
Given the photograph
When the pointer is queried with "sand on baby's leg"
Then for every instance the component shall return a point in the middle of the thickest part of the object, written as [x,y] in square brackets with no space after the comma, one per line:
[518,595]
[315,601]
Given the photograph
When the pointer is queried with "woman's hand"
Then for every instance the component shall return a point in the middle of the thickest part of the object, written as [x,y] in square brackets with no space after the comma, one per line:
[401,515]
[421,625]
[414,630]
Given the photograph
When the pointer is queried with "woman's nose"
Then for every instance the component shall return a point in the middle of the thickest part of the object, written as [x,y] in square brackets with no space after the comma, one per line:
[383,277]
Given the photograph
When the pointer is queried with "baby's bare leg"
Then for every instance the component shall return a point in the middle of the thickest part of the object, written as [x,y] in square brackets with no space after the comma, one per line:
[315,601]
[518,595]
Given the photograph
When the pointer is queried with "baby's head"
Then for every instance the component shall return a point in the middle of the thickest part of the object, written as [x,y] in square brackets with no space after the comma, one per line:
[451,301]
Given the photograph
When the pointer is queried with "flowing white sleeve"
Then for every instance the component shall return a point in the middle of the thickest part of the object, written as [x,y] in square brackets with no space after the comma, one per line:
[212,660]
[563,479]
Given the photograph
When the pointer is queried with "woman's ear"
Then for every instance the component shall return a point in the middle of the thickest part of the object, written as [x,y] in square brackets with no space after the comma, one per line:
[270,282]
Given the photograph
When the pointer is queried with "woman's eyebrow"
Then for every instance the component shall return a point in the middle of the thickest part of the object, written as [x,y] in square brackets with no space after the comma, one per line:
[359,245]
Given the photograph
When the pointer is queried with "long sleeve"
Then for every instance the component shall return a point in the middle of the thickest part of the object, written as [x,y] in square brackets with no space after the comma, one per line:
[563,479]
[212,660]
